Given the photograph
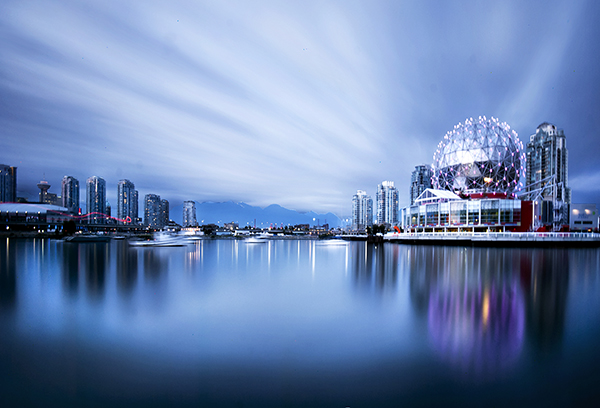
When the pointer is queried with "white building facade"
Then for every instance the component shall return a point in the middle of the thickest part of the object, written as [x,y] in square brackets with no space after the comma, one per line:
[362,211]
[387,203]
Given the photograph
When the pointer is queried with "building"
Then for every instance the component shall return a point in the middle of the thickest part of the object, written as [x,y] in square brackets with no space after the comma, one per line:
[420,180]
[44,186]
[189,214]
[96,199]
[583,217]
[8,184]
[443,211]
[476,173]
[152,211]
[362,211]
[70,194]
[547,176]
[387,203]
[127,205]
[164,213]
[32,217]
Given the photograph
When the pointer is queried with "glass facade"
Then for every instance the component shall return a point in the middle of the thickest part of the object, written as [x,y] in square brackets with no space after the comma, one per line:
[465,213]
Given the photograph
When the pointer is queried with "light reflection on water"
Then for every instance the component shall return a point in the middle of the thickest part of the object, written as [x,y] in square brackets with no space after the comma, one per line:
[320,322]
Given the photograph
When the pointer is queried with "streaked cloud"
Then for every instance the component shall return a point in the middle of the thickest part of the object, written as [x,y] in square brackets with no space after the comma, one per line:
[294,103]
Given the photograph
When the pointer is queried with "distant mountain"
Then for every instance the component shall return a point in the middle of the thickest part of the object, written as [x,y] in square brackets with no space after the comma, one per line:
[244,214]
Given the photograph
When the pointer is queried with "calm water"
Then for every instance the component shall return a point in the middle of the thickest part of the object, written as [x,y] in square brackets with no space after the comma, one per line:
[297,323]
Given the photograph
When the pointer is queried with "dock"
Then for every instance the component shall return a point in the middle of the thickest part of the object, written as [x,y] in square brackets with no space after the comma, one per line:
[498,239]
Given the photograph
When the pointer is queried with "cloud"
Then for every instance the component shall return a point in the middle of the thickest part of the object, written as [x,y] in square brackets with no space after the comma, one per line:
[298,104]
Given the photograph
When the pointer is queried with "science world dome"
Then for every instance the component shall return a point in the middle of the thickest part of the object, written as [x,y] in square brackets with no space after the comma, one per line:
[479,156]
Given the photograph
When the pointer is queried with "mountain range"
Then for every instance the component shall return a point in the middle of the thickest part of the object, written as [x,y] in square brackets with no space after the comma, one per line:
[245,214]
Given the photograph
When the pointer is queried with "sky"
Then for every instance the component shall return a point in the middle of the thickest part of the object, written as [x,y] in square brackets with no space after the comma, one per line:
[296,103]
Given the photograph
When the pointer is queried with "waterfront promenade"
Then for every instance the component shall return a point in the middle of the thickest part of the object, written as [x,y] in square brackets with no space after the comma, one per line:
[518,239]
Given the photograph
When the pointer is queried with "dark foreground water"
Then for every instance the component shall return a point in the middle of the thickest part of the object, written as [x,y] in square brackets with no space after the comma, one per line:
[297,323]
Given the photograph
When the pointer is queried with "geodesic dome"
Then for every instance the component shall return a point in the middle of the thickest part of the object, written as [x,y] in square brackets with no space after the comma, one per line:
[479,156]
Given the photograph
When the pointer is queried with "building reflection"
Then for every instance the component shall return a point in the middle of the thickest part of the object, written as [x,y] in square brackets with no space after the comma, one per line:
[480,303]
[8,272]
[476,312]
[545,280]
[95,261]
[127,267]
[374,266]
[70,268]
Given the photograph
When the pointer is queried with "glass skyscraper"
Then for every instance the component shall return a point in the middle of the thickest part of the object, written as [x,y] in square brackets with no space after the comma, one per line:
[420,180]
[189,214]
[152,211]
[96,199]
[547,175]
[8,184]
[127,206]
[70,194]
[387,203]
[362,211]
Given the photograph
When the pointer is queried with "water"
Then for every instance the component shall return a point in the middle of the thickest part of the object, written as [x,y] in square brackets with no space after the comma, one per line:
[297,323]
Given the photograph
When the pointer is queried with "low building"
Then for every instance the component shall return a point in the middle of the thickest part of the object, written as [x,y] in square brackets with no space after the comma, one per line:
[441,210]
[583,217]
[32,216]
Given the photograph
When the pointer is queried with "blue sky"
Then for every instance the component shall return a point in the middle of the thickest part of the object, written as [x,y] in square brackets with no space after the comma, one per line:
[297,103]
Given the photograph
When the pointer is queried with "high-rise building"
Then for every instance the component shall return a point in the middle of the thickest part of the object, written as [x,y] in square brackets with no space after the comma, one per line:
[152,211]
[420,180]
[387,203]
[362,210]
[96,199]
[70,194]
[127,204]
[8,184]
[135,207]
[547,175]
[189,214]
[164,213]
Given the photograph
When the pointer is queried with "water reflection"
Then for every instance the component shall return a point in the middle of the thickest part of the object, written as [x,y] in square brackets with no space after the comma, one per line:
[374,266]
[476,311]
[8,270]
[95,257]
[480,302]
[545,280]
[127,267]
[70,268]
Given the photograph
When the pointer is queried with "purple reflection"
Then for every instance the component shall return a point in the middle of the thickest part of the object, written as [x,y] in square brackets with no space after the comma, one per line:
[478,326]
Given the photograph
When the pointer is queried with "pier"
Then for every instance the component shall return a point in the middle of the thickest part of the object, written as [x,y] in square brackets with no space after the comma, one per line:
[498,239]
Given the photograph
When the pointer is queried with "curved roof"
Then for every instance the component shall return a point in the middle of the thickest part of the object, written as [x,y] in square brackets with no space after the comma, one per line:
[31,208]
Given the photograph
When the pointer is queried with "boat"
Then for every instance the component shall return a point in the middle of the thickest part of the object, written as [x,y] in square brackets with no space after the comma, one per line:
[88,238]
[258,239]
[161,239]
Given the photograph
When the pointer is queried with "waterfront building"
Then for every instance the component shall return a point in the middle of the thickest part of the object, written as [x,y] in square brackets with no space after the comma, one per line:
[387,203]
[547,174]
[152,211]
[70,194]
[479,157]
[32,217]
[189,214]
[8,184]
[420,180]
[443,211]
[164,213]
[476,174]
[96,199]
[583,217]
[362,211]
[127,205]
[44,186]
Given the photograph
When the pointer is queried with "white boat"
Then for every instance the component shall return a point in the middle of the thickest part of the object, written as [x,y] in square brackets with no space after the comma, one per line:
[161,239]
[258,239]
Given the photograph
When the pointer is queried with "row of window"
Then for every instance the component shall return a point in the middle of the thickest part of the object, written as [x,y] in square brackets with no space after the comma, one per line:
[475,212]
